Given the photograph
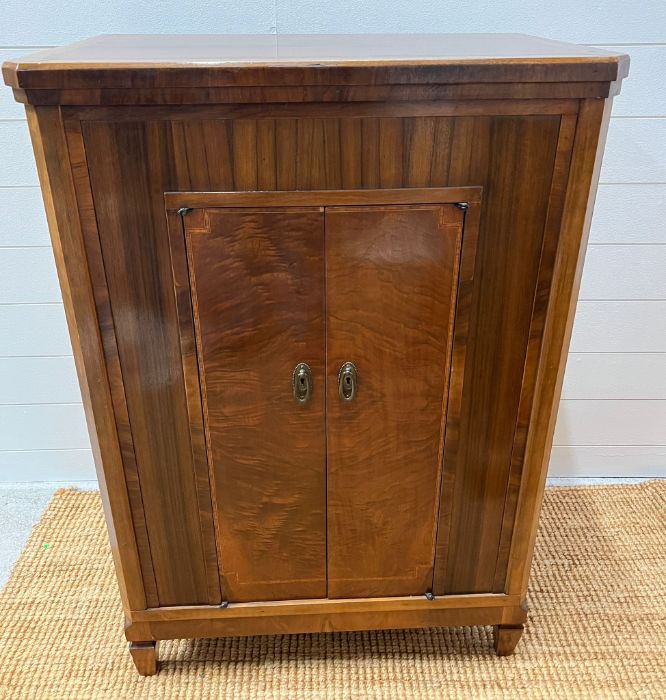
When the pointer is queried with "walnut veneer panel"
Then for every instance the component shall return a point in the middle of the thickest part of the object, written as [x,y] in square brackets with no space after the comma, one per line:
[477,453]
[384,446]
[257,283]
[132,163]
[127,181]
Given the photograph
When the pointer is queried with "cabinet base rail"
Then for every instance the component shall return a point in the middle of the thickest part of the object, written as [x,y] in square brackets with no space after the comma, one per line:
[303,616]
[144,628]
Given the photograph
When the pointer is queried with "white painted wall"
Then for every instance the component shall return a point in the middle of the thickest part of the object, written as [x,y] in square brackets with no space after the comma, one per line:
[612,419]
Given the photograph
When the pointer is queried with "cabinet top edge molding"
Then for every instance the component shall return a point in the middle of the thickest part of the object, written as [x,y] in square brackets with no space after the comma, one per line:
[187,61]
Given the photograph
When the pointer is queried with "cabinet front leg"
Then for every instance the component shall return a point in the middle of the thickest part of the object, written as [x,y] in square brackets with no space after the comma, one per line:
[144,655]
[506,637]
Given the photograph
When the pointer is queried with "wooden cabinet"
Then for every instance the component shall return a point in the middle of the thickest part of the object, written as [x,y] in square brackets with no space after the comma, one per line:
[320,291]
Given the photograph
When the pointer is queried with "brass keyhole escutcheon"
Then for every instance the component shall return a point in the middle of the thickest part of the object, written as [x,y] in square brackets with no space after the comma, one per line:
[301,382]
[347,381]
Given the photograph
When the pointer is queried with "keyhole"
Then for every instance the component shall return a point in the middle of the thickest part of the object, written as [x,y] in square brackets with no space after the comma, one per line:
[301,383]
[347,381]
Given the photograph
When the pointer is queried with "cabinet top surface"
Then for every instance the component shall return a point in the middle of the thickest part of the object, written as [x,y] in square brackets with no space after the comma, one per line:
[131,61]
[239,50]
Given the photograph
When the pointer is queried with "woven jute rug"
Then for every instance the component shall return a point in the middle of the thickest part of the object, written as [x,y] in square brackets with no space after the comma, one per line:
[597,624]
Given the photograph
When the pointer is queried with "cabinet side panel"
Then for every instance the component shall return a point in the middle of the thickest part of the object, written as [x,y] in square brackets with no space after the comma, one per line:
[107,331]
[129,169]
[55,176]
[541,299]
[518,154]
[589,141]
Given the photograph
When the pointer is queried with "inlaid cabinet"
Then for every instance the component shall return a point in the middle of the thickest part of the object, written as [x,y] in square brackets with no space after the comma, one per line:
[320,292]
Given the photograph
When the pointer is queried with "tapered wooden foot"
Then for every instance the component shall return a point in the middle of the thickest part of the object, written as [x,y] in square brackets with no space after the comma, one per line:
[506,638]
[144,655]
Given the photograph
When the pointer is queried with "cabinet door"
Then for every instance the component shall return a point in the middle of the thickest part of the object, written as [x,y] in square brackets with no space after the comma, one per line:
[391,292]
[257,286]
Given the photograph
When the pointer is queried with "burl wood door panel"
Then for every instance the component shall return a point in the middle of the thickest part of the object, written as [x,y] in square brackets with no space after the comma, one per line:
[391,280]
[257,284]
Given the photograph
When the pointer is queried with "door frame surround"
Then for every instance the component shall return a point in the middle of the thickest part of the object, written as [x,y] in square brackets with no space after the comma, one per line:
[177,204]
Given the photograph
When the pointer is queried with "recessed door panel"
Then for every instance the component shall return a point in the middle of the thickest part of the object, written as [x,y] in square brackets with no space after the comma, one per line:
[257,285]
[391,289]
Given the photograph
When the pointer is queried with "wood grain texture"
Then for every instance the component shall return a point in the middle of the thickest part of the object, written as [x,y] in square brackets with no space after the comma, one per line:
[419,612]
[144,655]
[136,260]
[312,94]
[241,251]
[506,638]
[205,497]
[58,188]
[384,446]
[453,408]
[512,157]
[319,110]
[107,329]
[324,198]
[257,281]
[539,310]
[316,606]
[589,141]
[520,153]
[175,61]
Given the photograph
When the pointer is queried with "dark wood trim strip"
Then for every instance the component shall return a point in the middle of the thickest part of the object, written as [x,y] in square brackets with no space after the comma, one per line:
[324,198]
[310,93]
[142,75]
[420,108]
